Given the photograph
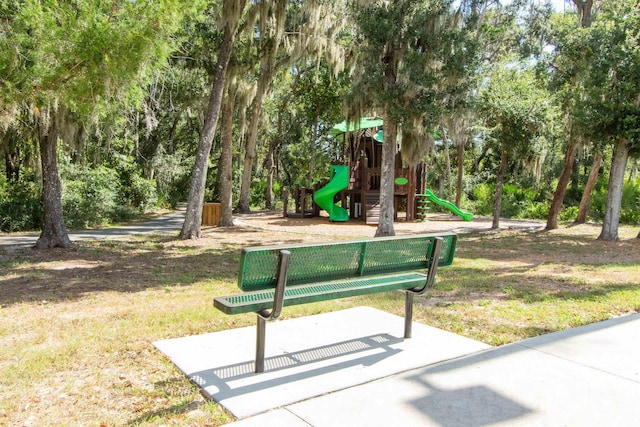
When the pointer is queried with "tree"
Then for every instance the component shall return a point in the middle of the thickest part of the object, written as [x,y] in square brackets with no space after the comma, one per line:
[515,110]
[288,32]
[72,58]
[570,68]
[613,95]
[458,127]
[588,188]
[408,50]
[226,158]
[272,18]
[232,12]
[614,194]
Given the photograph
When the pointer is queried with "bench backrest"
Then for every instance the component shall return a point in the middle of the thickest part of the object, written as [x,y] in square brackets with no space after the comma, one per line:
[342,260]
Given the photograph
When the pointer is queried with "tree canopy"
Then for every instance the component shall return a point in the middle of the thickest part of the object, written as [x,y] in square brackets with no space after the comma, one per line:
[111,108]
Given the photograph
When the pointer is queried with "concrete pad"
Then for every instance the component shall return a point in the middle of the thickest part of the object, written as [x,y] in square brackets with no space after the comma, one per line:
[309,357]
[611,346]
[522,384]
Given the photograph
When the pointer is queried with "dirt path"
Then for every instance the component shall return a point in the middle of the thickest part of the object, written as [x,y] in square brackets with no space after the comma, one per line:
[273,221]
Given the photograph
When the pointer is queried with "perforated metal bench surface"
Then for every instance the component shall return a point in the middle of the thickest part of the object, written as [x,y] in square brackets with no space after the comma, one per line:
[334,270]
[301,294]
[278,276]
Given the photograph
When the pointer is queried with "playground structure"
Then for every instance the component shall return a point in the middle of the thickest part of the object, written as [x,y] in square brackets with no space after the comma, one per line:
[353,190]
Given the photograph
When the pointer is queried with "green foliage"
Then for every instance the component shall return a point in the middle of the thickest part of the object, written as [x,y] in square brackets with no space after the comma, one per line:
[82,53]
[630,206]
[516,110]
[534,210]
[598,202]
[483,198]
[177,190]
[414,55]
[20,207]
[134,191]
[613,109]
[144,121]
[517,201]
[89,195]
[172,177]
[258,188]
[99,195]
[568,214]
[630,211]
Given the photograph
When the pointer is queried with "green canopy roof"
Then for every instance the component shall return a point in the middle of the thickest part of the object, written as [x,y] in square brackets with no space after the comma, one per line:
[364,123]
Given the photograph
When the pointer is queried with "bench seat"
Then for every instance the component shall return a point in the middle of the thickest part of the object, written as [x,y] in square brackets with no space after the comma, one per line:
[253,302]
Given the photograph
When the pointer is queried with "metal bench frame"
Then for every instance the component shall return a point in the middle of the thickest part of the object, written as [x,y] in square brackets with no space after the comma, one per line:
[282,270]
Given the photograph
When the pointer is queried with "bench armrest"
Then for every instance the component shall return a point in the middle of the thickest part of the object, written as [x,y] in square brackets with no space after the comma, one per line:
[433,266]
[278,298]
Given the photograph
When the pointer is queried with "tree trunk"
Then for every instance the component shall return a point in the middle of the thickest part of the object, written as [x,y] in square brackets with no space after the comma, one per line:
[226,157]
[269,47]
[271,169]
[460,173]
[499,182]
[268,196]
[250,149]
[447,170]
[12,159]
[561,188]
[387,172]
[193,219]
[312,152]
[53,233]
[584,11]
[588,189]
[271,161]
[614,197]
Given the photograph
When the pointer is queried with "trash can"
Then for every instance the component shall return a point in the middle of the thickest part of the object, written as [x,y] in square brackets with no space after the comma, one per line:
[211,213]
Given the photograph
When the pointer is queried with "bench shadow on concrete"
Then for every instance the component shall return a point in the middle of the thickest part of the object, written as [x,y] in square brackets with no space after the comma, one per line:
[221,377]
[308,357]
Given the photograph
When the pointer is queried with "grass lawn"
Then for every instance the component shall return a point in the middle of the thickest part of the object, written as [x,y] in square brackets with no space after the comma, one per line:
[76,326]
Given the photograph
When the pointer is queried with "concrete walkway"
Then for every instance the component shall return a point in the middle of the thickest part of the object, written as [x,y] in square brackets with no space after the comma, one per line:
[323,374]
[167,224]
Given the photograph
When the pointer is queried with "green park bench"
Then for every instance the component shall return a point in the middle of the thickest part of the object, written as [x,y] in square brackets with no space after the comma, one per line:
[272,277]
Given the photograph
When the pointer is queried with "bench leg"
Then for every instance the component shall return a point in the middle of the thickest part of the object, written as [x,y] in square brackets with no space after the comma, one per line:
[266,315]
[260,343]
[408,314]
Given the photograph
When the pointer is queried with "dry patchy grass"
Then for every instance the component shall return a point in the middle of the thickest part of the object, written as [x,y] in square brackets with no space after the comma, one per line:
[76,326]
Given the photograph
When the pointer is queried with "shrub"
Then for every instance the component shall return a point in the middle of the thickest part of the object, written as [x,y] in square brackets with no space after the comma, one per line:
[569,214]
[257,192]
[139,194]
[630,204]
[535,210]
[483,199]
[20,206]
[89,195]
[598,201]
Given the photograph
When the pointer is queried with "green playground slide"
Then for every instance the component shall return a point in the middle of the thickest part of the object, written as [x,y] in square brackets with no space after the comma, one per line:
[467,216]
[324,196]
